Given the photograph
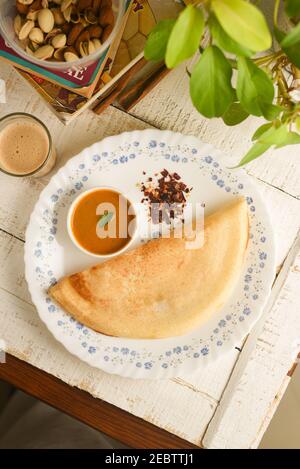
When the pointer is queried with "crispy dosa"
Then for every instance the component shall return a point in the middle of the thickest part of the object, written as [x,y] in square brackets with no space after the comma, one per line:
[161,289]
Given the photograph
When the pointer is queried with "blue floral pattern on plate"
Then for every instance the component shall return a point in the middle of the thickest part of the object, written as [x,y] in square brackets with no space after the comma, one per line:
[129,152]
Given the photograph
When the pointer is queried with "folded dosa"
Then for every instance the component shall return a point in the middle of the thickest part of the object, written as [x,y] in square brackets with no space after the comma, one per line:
[161,289]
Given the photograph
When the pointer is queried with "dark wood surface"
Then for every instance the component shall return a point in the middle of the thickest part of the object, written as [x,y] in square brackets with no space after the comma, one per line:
[111,420]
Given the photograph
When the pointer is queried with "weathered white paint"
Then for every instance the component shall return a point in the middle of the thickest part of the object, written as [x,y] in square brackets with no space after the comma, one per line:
[260,373]
[189,406]
[169,106]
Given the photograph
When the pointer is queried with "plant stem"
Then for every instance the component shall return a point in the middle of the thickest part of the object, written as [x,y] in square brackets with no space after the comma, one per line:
[275,14]
[267,58]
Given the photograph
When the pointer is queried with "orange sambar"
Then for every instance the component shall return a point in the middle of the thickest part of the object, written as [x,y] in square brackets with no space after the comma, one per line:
[87,215]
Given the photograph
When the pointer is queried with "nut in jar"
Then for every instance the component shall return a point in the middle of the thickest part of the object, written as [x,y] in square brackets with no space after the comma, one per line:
[63,30]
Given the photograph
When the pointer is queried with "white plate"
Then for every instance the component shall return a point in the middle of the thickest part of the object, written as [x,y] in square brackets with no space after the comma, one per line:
[120,161]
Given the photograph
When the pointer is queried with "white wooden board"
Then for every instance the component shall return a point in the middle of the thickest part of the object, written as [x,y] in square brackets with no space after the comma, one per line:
[204,406]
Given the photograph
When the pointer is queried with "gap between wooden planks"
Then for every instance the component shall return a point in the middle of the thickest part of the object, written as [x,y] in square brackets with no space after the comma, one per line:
[265,358]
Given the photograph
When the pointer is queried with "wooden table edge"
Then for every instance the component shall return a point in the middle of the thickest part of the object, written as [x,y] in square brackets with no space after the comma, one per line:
[96,413]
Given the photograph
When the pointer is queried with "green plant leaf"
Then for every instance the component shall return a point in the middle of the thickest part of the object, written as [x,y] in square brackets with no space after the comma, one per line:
[279,136]
[254,87]
[224,41]
[293,52]
[292,38]
[244,22]
[255,151]
[185,37]
[261,130]
[291,138]
[156,45]
[210,84]
[273,136]
[235,114]
[270,111]
[292,7]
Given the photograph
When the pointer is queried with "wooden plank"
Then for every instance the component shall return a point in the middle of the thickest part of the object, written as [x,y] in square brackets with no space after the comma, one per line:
[96,413]
[183,407]
[169,106]
[262,366]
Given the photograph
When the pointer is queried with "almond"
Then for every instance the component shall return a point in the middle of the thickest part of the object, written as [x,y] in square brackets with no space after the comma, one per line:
[84,36]
[95,31]
[96,4]
[106,32]
[106,16]
[66,27]
[83,4]
[22,9]
[74,33]
[36,5]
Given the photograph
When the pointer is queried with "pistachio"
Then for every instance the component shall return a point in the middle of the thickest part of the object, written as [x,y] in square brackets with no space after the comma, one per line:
[67,14]
[58,16]
[17,24]
[36,35]
[75,15]
[63,29]
[44,52]
[97,43]
[25,29]
[32,15]
[90,16]
[86,48]
[46,20]
[50,36]
[59,54]
[59,41]
[74,33]
[65,4]
[29,50]
[24,43]
[33,45]
[70,54]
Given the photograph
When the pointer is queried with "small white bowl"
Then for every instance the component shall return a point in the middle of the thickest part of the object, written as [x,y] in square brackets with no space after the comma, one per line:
[69,224]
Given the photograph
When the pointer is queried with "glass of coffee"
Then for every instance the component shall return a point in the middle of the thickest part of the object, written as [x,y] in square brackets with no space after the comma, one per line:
[26,147]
